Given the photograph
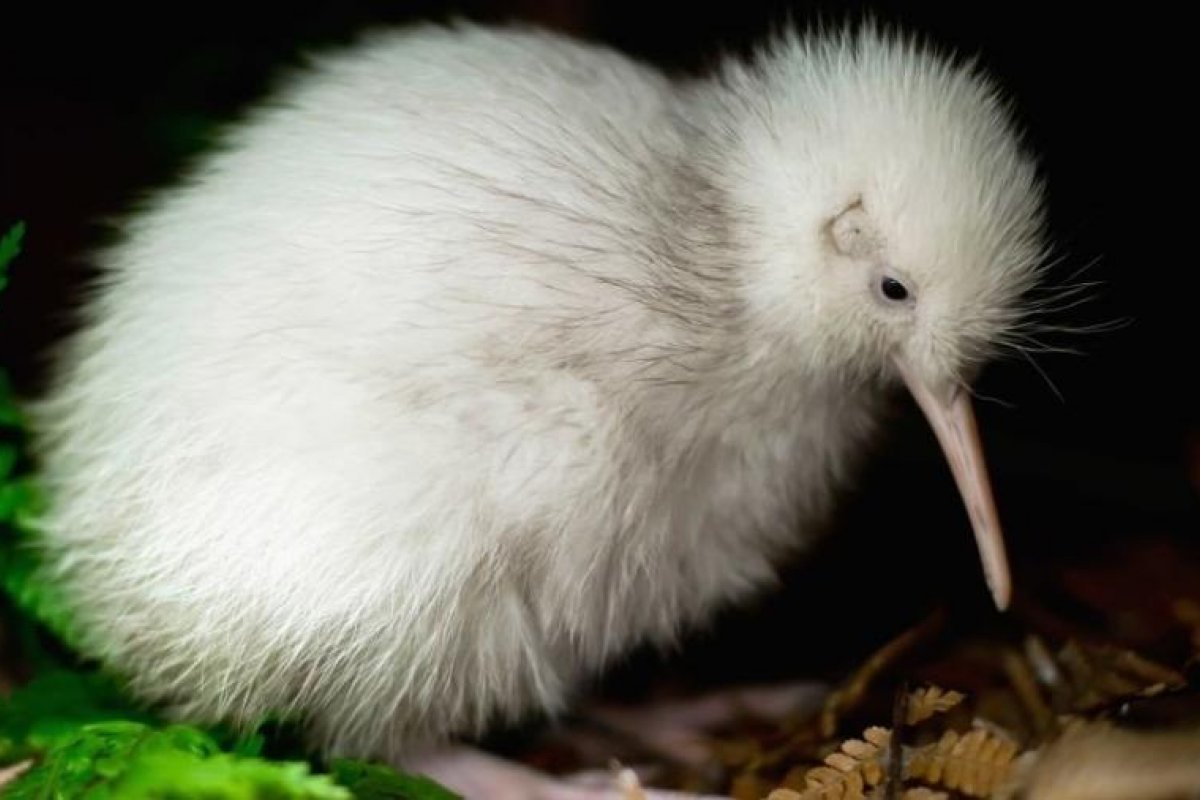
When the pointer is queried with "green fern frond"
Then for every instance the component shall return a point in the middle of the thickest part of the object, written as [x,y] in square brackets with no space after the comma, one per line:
[10,246]
[88,741]
[377,782]
[122,759]
[54,706]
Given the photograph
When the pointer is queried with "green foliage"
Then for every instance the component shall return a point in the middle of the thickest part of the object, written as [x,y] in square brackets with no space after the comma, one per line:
[376,782]
[16,495]
[125,759]
[19,499]
[10,246]
[90,742]
[52,708]
[20,577]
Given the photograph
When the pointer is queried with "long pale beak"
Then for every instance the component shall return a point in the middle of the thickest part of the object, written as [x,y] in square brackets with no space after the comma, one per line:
[949,413]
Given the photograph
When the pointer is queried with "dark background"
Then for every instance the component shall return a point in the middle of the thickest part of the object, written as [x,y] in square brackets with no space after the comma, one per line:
[99,103]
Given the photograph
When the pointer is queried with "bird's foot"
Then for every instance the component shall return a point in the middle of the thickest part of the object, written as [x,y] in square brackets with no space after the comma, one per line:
[679,730]
[476,775]
[676,731]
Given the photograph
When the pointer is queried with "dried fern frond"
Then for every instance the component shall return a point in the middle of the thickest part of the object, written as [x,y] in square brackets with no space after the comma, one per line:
[930,700]
[1100,674]
[828,783]
[846,774]
[784,794]
[1022,677]
[1056,697]
[852,692]
[923,793]
[749,786]
[916,793]
[975,763]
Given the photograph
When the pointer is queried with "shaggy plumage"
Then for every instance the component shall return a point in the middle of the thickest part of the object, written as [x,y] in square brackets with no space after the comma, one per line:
[475,357]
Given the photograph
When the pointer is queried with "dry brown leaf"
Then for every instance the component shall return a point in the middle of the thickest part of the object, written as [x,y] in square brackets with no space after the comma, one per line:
[749,786]
[1024,682]
[1100,674]
[975,763]
[736,752]
[1100,762]
[1187,613]
[1060,692]
[851,693]
[926,702]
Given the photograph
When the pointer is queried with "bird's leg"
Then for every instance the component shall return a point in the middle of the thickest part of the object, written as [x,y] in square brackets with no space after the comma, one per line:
[480,776]
[675,730]
[678,729]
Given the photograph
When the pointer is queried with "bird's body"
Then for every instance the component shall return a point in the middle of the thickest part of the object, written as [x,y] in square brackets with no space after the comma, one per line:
[477,357]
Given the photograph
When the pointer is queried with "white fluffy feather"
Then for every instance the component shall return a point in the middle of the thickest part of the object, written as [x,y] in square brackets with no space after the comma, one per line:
[476,357]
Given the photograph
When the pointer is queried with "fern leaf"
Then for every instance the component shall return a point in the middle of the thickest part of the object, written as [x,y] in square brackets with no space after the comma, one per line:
[53,707]
[929,701]
[10,247]
[377,782]
[125,760]
[850,771]
[975,763]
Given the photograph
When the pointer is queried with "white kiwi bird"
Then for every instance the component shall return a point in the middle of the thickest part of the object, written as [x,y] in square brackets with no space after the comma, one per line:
[477,356]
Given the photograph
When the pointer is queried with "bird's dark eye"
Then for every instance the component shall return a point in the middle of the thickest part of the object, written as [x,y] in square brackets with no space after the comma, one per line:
[893,289]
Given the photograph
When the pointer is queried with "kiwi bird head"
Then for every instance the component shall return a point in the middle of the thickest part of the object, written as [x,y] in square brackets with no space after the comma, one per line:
[896,223]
